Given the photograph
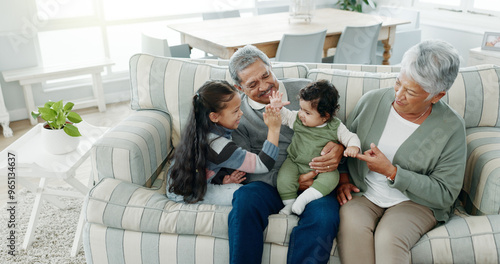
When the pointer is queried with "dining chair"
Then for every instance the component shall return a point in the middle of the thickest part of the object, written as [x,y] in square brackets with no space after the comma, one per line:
[407,35]
[219,15]
[301,47]
[357,45]
[272,10]
[158,46]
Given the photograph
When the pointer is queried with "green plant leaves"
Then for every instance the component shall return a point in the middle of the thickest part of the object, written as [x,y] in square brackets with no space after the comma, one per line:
[72,130]
[355,5]
[57,116]
[74,117]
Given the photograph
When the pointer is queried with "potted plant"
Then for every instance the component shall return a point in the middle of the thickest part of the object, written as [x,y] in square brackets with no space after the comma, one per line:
[59,134]
[355,5]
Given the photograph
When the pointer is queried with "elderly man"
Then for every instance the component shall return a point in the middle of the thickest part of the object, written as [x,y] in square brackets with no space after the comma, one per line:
[311,240]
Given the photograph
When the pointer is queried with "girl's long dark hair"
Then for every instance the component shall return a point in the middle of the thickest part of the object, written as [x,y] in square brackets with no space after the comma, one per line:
[188,173]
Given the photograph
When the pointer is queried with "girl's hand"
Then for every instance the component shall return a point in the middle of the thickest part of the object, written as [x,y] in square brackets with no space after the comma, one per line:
[272,117]
[276,100]
[235,177]
[351,151]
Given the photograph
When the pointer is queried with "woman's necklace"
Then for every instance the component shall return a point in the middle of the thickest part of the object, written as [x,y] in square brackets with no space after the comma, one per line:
[422,114]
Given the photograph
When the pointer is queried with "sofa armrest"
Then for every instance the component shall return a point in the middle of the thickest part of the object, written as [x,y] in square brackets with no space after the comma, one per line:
[135,150]
[482,172]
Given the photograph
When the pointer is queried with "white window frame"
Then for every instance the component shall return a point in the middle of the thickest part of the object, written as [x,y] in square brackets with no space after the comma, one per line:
[466,6]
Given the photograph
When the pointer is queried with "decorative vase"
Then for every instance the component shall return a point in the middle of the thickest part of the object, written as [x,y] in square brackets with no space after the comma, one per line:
[56,141]
[301,9]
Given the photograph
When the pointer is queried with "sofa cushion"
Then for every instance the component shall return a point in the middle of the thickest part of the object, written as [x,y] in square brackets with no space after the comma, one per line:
[482,173]
[123,205]
[474,95]
[352,85]
[168,84]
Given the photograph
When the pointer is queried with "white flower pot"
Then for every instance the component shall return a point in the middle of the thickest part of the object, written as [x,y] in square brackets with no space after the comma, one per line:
[57,141]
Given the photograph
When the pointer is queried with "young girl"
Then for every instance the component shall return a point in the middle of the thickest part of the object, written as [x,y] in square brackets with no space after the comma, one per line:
[206,147]
[314,126]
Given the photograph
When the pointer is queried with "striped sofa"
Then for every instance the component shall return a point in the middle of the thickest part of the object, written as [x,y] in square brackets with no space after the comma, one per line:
[130,220]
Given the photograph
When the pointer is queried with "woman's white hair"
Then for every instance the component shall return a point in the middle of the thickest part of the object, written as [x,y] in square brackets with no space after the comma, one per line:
[433,64]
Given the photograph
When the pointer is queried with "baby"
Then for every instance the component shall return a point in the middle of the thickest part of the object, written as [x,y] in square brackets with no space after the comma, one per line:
[314,126]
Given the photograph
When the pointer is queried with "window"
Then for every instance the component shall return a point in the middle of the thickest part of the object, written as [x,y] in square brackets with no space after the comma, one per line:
[79,30]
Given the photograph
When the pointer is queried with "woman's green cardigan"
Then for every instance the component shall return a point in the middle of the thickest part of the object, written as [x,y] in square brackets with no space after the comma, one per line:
[430,163]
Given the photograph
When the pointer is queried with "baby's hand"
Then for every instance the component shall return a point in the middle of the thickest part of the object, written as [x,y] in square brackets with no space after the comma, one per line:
[235,177]
[351,151]
[275,100]
[272,117]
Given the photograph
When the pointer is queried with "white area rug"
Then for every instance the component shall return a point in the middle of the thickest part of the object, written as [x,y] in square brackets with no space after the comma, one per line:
[53,236]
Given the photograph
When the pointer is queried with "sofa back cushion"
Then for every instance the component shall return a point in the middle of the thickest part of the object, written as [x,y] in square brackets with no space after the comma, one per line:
[168,84]
[475,94]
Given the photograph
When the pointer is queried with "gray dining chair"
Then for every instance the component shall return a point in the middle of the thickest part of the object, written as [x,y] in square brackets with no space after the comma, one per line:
[357,45]
[158,46]
[407,35]
[301,47]
[219,15]
[272,10]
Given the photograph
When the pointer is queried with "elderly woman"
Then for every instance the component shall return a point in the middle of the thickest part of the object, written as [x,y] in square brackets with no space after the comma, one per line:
[412,169]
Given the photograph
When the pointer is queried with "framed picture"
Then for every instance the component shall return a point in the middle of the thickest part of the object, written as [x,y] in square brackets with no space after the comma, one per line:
[491,41]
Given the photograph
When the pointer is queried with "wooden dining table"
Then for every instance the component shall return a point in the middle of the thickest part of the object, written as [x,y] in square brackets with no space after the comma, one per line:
[222,37]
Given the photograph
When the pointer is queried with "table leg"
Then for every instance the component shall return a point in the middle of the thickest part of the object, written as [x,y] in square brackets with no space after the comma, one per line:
[79,228]
[34,189]
[28,238]
[98,91]
[30,102]
[387,52]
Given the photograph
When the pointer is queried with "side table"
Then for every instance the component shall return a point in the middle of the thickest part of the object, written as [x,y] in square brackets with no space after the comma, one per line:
[478,56]
[34,162]
[4,117]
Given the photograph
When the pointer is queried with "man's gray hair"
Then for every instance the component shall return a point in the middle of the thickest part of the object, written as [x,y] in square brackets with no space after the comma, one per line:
[433,64]
[243,58]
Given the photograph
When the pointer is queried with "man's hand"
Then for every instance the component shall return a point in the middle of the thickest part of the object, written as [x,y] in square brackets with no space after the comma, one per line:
[344,189]
[330,158]
[235,177]
[306,180]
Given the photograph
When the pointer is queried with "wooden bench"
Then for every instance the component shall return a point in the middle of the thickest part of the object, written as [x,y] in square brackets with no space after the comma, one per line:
[29,76]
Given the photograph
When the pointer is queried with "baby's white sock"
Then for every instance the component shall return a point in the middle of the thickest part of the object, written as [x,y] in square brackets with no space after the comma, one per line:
[288,207]
[304,198]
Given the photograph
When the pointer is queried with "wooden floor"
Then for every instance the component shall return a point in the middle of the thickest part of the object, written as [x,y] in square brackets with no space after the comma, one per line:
[111,117]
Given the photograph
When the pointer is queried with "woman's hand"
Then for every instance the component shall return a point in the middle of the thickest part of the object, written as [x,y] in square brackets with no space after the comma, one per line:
[377,161]
[235,177]
[330,158]
[344,189]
